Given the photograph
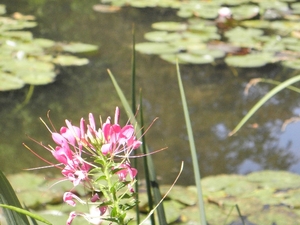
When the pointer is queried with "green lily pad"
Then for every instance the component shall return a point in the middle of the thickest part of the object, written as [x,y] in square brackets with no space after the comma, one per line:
[2,9]
[220,182]
[23,35]
[275,179]
[44,43]
[256,23]
[294,64]
[171,58]
[198,51]
[9,82]
[37,77]
[162,36]
[243,12]
[79,47]
[70,60]
[249,61]
[183,13]
[284,27]
[195,59]
[143,4]
[169,26]
[155,48]
[206,12]
[275,214]
[189,198]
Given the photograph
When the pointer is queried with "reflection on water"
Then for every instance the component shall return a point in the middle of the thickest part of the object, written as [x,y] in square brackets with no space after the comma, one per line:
[215,97]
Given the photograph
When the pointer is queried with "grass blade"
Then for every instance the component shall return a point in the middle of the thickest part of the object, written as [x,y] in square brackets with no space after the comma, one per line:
[263,100]
[8,197]
[25,212]
[192,148]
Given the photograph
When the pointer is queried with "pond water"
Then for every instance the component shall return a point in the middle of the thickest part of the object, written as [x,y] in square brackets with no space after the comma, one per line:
[215,96]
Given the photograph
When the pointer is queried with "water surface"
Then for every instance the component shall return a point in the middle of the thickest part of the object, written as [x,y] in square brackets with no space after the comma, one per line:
[215,96]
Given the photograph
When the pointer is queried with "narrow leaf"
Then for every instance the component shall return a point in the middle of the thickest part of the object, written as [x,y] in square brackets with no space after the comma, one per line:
[269,95]
[25,212]
[8,197]
[192,148]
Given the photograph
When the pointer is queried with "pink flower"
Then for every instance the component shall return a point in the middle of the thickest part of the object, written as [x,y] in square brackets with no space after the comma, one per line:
[68,198]
[76,169]
[127,170]
[72,215]
[117,139]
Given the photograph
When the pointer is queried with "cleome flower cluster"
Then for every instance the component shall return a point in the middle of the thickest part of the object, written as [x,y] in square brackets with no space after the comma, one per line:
[99,160]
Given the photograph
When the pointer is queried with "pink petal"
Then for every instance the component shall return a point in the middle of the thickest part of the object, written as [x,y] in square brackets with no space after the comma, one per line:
[72,215]
[68,198]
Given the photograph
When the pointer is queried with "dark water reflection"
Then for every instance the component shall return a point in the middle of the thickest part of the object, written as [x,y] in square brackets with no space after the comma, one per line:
[215,97]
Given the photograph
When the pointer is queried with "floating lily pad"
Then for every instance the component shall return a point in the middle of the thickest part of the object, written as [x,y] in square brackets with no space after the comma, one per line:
[36,77]
[171,58]
[162,36]
[206,12]
[256,23]
[243,12]
[280,214]
[275,179]
[155,48]
[195,59]
[79,47]
[10,82]
[248,61]
[169,26]
[2,9]
[70,60]
[185,13]
[239,31]
[294,64]
[44,43]
[23,35]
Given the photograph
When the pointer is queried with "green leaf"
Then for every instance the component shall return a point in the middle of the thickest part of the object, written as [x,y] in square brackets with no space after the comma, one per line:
[79,47]
[169,26]
[263,100]
[8,197]
[192,148]
[25,212]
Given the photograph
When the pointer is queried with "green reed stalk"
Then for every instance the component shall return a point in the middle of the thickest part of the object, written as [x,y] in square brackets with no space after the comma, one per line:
[269,95]
[193,149]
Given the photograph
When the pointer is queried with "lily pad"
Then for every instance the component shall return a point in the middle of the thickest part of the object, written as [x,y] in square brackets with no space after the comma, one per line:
[44,43]
[9,82]
[243,12]
[155,48]
[79,47]
[249,61]
[195,59]
[256,23]
[275,179]
[162,36]
[169,26]
[171,58]
[23,35]
[2,9]
[70,60]
[294,64]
